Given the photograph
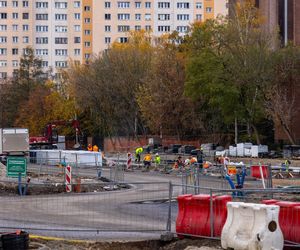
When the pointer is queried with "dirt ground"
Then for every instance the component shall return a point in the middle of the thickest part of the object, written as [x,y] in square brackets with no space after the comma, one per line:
[185,244]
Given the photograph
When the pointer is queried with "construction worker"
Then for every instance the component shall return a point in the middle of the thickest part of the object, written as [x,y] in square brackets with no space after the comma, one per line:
[138,153]
[95,148]
[179,163]
[157,161]
[147,162]
[90,148]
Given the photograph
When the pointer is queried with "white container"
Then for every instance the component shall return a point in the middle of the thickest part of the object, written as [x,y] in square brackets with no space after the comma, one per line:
[252,227]
[240,149]
[232,151]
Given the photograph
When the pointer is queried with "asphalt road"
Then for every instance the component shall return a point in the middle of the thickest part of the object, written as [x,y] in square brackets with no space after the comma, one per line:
[135,213]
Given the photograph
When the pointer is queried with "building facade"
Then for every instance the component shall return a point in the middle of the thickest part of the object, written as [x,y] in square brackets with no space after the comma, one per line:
[61,31]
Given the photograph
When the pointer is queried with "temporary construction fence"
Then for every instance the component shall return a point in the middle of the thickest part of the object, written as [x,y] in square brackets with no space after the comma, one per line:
[204,214]
[130,207]
[140,207]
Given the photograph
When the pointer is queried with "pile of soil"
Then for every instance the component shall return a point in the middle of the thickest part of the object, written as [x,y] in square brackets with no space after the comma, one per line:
[11,189]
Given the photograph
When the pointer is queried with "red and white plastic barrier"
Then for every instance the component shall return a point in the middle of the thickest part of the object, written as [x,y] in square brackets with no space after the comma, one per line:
[129,160]
[68,178]
[194,214]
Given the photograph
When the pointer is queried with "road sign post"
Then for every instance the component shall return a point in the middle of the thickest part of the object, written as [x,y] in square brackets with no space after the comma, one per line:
[16,166]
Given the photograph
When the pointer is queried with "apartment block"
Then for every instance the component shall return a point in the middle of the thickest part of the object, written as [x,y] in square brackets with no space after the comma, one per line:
[113,19]
[61,31]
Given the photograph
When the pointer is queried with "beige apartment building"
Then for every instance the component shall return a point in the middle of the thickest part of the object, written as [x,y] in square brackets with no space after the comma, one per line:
[61,31]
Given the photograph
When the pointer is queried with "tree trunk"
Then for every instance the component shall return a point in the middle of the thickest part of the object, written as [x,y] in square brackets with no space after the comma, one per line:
[288,133]
[258,142]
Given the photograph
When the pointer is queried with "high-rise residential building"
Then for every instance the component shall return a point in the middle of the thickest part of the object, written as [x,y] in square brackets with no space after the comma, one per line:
[61,31]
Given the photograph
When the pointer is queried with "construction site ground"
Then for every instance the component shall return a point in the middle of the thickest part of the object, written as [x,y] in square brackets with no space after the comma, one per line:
[185,244]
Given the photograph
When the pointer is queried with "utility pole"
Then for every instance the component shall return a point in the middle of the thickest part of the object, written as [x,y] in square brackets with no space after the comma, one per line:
[235,131]
[285,22]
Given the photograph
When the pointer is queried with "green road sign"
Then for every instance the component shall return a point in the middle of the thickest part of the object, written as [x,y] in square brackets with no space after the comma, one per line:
[16,165]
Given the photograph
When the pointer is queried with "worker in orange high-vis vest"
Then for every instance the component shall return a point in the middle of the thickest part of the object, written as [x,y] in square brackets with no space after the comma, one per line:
[95,148]
[90,148]
[147,162]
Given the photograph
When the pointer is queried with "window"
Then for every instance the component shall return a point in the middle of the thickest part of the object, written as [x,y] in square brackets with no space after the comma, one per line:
[61,52]
[198,17]
[77,52]
[77,4]
[107,5]
[148,27]
[3,75]
[15,63]
[3,63]
[107,40]
[25,16]
[77,16]
[61,28]
[77,27]
[183,17]
[41,5]
[25,4]
[87,8]
[41,28]
[107,28]
[61,40]
[123,28]
[25,39]
[87,44]
[3,27]
[147,17]
[3,15]
[61,64]
[3,4]
[41,52]
[60,16]
[3,39]
[183,5]
[182,29]
[3,51]
[61,5]
[15,39]
[164,5]
[123,16]
[208,9]
[41,16]
[107,16]
[148,5]
[25,27]
[15,3]
[87,20]
[138,17]
[199,5]
[87,32]
[15,27]
[77,39]
[138,5]
[123,5]
[41,40]
[137,27]
[123,39]
[164,28]
[15,15]
[163,17]
[15,51]
[44,64]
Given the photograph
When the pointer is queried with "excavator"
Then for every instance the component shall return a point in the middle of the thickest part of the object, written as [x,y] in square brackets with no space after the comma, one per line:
[50,137]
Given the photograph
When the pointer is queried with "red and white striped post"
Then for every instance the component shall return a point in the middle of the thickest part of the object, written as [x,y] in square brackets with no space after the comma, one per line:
[68,178]
[129,160]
